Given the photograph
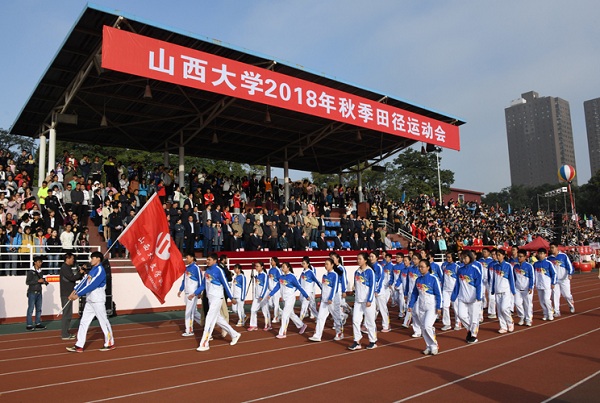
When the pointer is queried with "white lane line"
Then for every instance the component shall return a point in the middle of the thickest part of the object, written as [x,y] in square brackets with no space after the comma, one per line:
[572,387]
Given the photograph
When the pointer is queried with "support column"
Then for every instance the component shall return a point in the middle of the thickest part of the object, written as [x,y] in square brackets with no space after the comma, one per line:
[42,159]
[182,165]
[286,178]
[166,155]
[52,148]
[360,186]
[268,169]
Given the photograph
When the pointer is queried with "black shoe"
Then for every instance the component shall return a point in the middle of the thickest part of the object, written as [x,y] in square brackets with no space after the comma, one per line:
[40,326]
[30,328]
[468,336]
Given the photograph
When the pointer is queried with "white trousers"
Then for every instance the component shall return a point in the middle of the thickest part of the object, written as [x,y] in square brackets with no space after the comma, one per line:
[361,310]
[308,304]
[274,303]
[400,300]
[382,301]
[446,302]
[424,315]
[215,317]
[546,303]
[259,306]
[491,301]
[288,314]
[469,313]
[524,305]
[191,313]
[504,305]
[324,310]
[563,288]
[90,311]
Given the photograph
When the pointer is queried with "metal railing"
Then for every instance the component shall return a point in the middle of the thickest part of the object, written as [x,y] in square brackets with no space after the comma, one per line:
[17,263]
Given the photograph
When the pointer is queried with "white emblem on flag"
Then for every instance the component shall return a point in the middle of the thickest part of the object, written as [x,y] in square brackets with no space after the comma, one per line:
[163,246]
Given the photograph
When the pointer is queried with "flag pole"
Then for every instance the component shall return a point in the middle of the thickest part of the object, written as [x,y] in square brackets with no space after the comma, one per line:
[132,221]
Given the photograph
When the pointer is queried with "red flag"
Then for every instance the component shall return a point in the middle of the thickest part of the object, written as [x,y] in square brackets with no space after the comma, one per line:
[154,255]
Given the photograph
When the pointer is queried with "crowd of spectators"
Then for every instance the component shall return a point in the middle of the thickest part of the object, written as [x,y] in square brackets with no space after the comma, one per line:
[220,212]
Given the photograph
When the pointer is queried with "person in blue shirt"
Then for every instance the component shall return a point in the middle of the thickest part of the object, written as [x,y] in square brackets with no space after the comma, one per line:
[239,293]
[524,281]
[330,304]
[260,291]
[274,273]
[396,271]
[364,303]
[287,285]
[412,275]
[449,269]
[503,289]
[486,262]
[545,280]
[468,292]
[189,284]
[215,283]
[308,279]
[564,272]
[381,294]
[426,303]
[338,267]
[93,286]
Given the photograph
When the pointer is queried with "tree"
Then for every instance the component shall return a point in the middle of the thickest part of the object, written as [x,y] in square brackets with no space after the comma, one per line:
[16,143]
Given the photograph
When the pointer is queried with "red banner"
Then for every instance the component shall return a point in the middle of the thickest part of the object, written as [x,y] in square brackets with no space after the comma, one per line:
[154,255]
[146,57]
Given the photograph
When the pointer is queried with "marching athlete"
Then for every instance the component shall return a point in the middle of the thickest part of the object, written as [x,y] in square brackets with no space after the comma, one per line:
[412,275]
[564,271]
[189,284]
[308,279]
[503,288]
[486,261]
[524,281]
[381,296]
[396,270]
[330,304]
[258,302]
[364,304]
[468,292]
[338,267]
[215,283]
[449,268]
[239,293]
[93,286]
[274,274]
[545,279]
[286,287]
[425,303]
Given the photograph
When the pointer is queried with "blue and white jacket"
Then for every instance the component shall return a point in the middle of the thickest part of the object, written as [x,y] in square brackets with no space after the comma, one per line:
[214,282]
[364,285]
[191,279]
[378,276]
[288,284]
[93,285]
[469,286]
[562,266]
[545,276]
[413,274]
[524,276]
[397,271]
[308,279]
[343,279]
[485,270]
[437,271]
[274,274]
[260,285]
[503,279]
[331,283]
[427,289]
[239,287]
[449,270]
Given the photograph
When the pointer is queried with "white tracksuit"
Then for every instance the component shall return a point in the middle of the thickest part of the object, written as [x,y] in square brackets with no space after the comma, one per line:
[189,284]
[330,304]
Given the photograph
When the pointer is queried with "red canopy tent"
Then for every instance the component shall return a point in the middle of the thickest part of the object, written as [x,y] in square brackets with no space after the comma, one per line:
[537,243]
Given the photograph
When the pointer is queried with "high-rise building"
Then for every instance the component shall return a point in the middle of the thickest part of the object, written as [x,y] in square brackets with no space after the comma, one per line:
[540,139]
[592,124]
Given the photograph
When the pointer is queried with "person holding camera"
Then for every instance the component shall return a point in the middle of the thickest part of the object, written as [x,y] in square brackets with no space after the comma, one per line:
[68,278]
[35,279]
[93,286]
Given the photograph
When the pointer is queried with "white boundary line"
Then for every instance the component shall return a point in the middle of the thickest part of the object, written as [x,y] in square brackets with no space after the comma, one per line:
[572,387]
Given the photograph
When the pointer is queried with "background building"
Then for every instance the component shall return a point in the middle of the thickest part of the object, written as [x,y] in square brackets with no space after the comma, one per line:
[540,139]
[592,124]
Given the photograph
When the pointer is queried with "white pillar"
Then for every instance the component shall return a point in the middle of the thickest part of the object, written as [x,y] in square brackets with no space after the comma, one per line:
[268,169]
[360,187]
[42,159]
[52,149]
[286,177]
[166,156]
[182,167]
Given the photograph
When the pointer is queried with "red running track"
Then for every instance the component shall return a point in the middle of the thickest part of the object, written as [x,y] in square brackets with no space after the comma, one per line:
[556,360]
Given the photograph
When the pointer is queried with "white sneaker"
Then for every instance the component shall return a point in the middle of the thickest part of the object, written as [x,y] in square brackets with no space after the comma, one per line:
[239,324]
[427,351]
[416,335]
[187,334]
[521,322]
[447,327]
[339,336]
[528,324]
[434,351]
[223,333]
[458,326]
[203,348]
[313,338]
[235,339]
[572,309]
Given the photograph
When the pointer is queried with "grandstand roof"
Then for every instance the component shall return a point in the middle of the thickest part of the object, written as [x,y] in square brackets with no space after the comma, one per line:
[76,84]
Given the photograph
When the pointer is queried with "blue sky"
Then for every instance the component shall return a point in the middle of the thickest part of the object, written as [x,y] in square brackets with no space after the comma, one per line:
[466,58]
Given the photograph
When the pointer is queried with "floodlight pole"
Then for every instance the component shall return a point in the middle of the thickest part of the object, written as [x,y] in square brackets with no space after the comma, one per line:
[437,157]
[42,159]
